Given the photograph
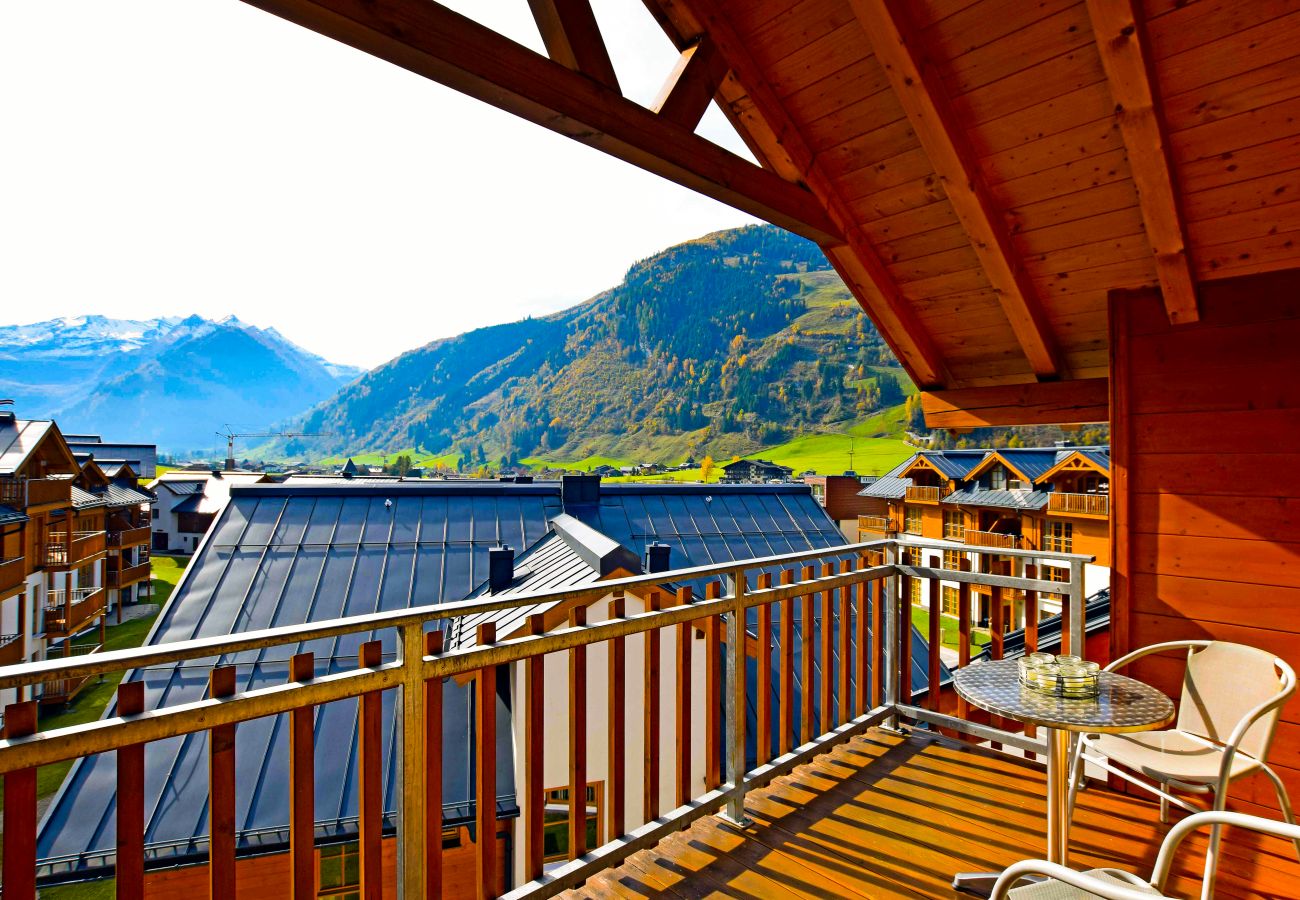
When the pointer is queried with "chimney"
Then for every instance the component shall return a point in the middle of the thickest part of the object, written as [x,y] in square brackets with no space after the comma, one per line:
[501,568]
[658,557]
[579,490]
[7,414]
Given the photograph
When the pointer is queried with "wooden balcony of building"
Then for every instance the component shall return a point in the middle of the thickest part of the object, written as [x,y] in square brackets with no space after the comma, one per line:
[35,493]
[1066,504]
[62,553]
[873,527]
[127,576]
[11,649]
[129,537]
[66,611]
[889,815]
[13,576]
[60,691]
[993,539]
[924,493]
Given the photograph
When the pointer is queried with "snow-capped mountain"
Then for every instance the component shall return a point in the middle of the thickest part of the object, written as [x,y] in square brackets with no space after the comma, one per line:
[172,380]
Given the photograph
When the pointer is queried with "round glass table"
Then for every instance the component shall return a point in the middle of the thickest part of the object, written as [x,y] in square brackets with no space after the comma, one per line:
[1123,705]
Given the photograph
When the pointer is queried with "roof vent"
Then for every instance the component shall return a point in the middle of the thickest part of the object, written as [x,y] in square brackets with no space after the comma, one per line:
[7,414]
[579,490]
[658,557]
[1066,443]
[501,568]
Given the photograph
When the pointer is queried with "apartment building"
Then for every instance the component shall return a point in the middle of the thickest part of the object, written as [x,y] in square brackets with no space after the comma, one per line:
[1048,499]
[188,503]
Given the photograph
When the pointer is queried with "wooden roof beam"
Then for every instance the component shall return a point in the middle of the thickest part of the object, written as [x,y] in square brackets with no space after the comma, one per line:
[1080,401]
[430,40]
[572,38]
[921,93]
[1126,57]
[690,88]
[855,259]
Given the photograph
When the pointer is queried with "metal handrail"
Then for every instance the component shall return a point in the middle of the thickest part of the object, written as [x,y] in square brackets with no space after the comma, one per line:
[414,668]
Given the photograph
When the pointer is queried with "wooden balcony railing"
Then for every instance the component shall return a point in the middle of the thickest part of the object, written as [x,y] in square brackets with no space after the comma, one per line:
[60,553]
[874,526]
[63,690]
[1078,504]
[923,493]
[120,578]
[828,599]
[11,649]
[992,539]
[13,575]
[129,537]
[67,610]
[24,492]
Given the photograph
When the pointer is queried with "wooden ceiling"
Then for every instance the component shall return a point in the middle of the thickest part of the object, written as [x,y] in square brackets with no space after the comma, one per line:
[982,173]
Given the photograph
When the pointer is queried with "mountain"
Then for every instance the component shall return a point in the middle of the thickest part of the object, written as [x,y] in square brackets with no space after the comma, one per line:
[723,345]
[172,380]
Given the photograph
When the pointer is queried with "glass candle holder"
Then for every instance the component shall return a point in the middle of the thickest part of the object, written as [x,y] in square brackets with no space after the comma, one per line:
[1079,680]
[1027,669]
[1068,660]
[1041,659]
[1048,677]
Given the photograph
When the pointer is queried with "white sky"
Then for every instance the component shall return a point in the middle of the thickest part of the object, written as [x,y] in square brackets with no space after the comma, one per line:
[177,156]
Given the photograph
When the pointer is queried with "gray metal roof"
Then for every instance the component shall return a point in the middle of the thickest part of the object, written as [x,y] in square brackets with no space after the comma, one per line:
[18,438]
[1035,461]
[953,463]
[121,495]
[82,499]
[1006,499]
[11,516]
[890,486]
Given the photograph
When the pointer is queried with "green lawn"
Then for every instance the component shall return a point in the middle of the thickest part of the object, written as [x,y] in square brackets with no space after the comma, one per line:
[947,630]
[831,454]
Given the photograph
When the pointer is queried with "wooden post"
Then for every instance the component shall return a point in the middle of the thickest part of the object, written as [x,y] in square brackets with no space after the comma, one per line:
[843,629]
[935,638]
[302,786]
[433,774]
[712,693]
[577,739]
[20,811]
[617,715]
[877,603]
[806,733]
[650,730]
[221,792]
[683,695]
[827,719]
[763,700]
[860,657]
[129,866]
[485,767]
[534,754]
[905,640]
[997,620]
[785,729]
[963,629]
[1031,612]
[370,761]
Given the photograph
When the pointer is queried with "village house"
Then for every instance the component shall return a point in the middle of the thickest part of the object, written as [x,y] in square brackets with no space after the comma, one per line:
[188,502]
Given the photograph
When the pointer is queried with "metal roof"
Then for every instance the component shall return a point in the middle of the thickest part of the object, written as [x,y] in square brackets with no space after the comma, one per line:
[83,499]
[18,438]
[1006,499]
[952,463]
[1034,461]
[10,516]
[890,486]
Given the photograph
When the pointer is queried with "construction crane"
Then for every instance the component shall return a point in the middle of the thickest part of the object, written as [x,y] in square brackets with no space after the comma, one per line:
[230,435]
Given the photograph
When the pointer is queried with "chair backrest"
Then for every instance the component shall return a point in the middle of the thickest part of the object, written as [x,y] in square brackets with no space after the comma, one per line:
[1223,683]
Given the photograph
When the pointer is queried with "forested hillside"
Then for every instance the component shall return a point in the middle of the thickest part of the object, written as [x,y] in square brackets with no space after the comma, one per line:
[723,345]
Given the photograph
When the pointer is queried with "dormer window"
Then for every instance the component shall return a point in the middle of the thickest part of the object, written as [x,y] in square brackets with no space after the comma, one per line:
[997,479]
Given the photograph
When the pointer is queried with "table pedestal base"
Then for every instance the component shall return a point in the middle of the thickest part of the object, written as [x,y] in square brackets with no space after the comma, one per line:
[980,884]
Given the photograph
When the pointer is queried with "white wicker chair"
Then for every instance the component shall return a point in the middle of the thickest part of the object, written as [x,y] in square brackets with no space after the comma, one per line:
[1061,883]
[1231,699]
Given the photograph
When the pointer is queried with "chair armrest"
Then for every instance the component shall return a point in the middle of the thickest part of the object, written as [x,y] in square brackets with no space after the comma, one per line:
[1057,872]
[1179,832]
[1154,648]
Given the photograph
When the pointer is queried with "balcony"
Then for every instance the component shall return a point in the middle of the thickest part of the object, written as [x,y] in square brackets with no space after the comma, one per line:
[11,649]
[924,493]
[871,527]
[1078,504]
[992,539]
[62,554]
[130,537]
[13,576]
[67,611]
[64,690]
[121,578]
[31,492]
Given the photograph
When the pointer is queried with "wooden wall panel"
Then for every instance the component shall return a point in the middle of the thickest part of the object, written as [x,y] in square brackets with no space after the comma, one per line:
[1206,459]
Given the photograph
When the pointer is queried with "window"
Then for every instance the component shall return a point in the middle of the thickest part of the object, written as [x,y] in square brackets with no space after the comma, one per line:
[952,559]
[555,818]
[1054,573]
[916,591]
[997,479]
[153,513]
[340,872]
[953,529]
[912,519]
[950,597]
[1015,484]
[1058,536]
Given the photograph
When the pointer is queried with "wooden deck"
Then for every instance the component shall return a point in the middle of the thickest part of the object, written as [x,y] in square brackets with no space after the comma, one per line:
[888,816]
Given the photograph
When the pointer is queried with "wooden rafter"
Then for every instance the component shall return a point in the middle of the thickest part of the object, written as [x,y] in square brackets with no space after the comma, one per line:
[921,93]
[689,90]
[572,38]
[1041,403]
[431,40]
[1127,61]
[779,142]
